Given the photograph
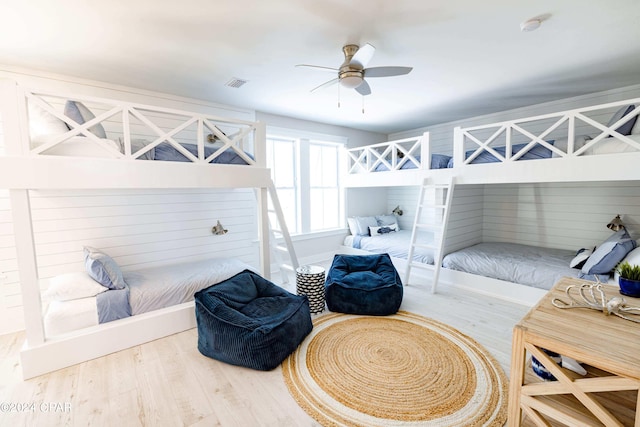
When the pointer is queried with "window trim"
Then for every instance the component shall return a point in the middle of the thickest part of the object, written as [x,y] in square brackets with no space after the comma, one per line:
[303,139]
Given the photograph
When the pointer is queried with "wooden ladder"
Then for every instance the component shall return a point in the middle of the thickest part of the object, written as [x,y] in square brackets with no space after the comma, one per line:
[438,226]
[279,239]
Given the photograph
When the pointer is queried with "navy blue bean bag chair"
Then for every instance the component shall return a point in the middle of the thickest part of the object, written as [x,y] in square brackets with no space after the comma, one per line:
[249,321]
[363,284]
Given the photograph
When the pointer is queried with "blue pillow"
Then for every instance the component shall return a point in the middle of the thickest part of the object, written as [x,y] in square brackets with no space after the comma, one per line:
[103,269]
[386,219]
[81,114]
[439,161]
[450,163]
[609,253]
[624,129]
[364,222]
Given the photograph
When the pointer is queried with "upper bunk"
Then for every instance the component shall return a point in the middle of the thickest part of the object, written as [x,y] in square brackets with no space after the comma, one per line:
[596,143]
[61,140]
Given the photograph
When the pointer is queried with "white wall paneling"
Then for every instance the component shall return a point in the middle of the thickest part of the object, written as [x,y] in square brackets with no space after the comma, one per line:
[559,215]
[466,217]
[556,215]
[11,318]
[141,228]
[367,201]
[407,199]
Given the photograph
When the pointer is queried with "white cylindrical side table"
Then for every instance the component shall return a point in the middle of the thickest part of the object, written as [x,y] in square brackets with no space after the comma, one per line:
[310,282]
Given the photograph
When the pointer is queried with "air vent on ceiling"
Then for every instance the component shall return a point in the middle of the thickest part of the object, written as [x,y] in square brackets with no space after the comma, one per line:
[236,82]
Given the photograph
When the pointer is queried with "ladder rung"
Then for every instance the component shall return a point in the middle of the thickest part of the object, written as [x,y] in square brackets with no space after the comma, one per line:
[287,267]
[428,206]
[425,246]
[430,186]
[282,248]
[434,227]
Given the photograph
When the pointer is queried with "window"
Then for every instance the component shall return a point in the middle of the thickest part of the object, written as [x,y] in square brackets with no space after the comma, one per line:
[324,191]
[306,174]
[281,159]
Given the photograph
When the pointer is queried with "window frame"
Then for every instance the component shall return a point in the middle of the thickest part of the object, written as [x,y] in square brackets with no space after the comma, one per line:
[302,143]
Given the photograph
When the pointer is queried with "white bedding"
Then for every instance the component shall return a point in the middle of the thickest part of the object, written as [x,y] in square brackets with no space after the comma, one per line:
[66,316]
[396,244]
[82,146]
[167,285]
[526,265]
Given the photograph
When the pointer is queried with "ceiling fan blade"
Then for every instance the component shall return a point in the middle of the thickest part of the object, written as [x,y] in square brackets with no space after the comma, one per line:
[364,88]
[386,71]
[326,84]
[319,67]
[362,57]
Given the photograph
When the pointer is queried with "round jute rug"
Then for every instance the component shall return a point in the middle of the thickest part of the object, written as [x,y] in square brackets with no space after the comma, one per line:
[400,370]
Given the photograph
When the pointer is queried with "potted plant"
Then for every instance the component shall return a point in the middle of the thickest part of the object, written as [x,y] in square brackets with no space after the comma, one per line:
[629,279]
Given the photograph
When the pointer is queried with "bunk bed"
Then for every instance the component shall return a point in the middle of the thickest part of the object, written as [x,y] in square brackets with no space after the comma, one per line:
[64,141]
[596,143]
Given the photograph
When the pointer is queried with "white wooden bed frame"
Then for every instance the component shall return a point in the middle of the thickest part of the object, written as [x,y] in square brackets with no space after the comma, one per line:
[569,166]
[506,291]
[23,169]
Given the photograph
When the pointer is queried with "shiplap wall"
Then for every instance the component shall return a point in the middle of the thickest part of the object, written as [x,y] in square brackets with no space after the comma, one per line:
[559,215]
[138,228]
[466,218]
[554,215]
[10,303]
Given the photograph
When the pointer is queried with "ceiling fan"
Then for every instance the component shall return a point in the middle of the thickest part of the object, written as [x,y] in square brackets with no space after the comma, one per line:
[353,70]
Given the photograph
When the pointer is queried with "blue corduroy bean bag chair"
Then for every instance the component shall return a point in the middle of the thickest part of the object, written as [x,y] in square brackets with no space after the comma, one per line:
[249,321]
[363,284]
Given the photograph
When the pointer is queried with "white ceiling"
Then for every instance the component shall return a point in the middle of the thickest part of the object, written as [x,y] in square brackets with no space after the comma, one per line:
[469,56]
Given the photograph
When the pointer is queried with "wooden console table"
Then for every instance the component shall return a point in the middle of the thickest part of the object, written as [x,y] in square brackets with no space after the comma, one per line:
[608,347]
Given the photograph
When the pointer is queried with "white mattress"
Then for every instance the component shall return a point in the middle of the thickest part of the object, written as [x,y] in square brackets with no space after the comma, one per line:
[526,265]
[396,244]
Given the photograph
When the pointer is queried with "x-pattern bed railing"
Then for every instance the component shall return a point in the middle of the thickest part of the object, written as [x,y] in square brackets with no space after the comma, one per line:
[549,127]
[393,155]
[141,113]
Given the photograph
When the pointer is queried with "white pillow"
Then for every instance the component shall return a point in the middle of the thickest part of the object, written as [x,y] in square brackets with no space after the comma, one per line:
[72,286]
[364,222]
[382,230]
[632,258]
[581,256]
[636,128]
[43,125]
[353,226]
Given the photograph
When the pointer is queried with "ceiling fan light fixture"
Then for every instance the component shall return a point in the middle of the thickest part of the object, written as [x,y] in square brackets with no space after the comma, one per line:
[351,82]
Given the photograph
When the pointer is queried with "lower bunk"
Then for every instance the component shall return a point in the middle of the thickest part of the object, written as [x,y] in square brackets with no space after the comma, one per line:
[103,310]
[516,272]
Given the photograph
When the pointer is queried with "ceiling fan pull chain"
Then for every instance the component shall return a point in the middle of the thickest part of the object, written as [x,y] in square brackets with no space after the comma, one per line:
[338,96]
[362,104]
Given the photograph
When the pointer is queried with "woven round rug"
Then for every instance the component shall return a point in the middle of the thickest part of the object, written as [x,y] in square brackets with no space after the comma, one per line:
[399,370]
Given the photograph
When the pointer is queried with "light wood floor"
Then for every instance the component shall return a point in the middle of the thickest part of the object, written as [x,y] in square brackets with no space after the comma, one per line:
[169,383]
